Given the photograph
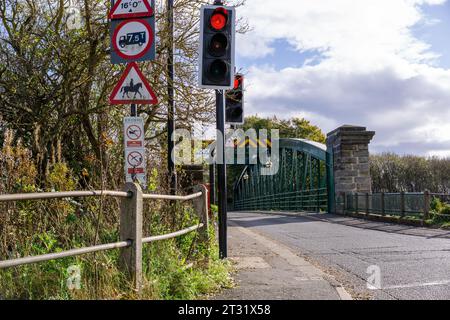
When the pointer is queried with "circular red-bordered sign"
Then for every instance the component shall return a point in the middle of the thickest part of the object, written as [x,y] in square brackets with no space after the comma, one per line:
[134,132]
[148,45]
[135,159]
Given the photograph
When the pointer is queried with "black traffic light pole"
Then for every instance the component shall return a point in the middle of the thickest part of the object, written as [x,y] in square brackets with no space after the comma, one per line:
[170,107]
[212,179]
[221,170]
[221,174]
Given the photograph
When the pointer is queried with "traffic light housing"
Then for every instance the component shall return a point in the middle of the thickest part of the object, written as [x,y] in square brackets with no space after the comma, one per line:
[217,43]
[234,102]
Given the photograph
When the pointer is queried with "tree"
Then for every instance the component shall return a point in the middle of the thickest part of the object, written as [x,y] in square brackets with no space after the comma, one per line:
[293,128]
[395,173]
[57,80]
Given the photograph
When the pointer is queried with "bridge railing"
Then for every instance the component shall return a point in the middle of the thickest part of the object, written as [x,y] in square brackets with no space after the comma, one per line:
[131,221]
[402,204]
[314,200]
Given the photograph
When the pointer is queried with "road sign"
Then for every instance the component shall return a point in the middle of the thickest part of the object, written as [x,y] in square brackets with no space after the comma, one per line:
[135,165]
[132,39]
[125,9]
[133,87]
[135,161]
[134,132]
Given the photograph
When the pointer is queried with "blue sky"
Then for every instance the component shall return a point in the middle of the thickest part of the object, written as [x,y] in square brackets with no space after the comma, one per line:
[437,34]
[383,64]
[284,56]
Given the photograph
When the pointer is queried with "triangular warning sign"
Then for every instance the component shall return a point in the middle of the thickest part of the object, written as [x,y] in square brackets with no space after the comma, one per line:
[133,87]
[124,9]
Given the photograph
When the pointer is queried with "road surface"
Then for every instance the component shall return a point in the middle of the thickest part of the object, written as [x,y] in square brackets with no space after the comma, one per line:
[412,263]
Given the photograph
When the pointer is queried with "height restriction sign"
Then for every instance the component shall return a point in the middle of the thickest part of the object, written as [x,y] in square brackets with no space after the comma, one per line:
[125,9]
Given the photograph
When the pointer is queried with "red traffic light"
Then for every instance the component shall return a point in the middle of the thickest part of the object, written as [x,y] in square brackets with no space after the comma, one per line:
[219,19]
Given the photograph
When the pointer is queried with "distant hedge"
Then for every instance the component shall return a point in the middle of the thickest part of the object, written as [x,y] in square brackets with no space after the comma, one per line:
[394,173]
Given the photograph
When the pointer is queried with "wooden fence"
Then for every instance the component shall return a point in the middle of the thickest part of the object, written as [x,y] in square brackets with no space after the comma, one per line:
[131,222]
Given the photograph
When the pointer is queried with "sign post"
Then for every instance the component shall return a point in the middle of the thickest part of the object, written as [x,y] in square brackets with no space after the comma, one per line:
[133,40]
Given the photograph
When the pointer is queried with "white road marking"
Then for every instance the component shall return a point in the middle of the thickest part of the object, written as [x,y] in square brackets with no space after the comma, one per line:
[416,285]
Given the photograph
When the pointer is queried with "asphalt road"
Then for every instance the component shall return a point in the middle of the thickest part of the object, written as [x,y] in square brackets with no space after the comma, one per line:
[413,263]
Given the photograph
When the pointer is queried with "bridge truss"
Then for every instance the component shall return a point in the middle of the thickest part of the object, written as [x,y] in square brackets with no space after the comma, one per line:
[304,181]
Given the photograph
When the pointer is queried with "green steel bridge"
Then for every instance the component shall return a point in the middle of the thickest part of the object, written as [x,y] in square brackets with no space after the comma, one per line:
[303,181]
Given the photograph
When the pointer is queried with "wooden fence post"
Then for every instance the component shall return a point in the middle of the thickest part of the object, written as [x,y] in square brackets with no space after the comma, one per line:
[402,204]
[383,211]
[367,204]
[426,205]
[201,207]
[130,259]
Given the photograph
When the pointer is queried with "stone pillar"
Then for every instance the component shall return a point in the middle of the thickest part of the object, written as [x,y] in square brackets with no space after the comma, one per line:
[349,146]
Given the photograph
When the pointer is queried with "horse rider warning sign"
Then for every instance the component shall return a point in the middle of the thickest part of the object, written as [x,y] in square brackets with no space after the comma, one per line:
[133,87]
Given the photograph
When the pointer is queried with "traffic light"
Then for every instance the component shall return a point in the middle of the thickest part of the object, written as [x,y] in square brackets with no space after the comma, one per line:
[216,56]
[234,102]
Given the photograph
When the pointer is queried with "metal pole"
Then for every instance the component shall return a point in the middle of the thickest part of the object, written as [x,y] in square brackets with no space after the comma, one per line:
[133,110]
[170,108]
[221,174]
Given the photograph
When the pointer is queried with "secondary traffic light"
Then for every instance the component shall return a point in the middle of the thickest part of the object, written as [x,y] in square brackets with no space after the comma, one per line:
[234,102]
[216,56]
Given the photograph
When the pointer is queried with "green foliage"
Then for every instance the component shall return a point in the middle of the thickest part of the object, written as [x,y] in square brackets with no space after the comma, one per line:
[293,128]
[153,180]
[436,205]
[172,276]
[181,268]
[440,212]
[61,178]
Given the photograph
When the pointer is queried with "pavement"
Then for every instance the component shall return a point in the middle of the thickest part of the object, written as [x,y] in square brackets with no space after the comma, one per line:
[322,256]
[269,270]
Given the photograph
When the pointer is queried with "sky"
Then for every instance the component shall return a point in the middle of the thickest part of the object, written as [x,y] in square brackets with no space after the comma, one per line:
[381,64]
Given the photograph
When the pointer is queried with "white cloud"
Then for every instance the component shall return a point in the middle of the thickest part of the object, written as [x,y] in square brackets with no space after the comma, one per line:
[375,72]
[363,33]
